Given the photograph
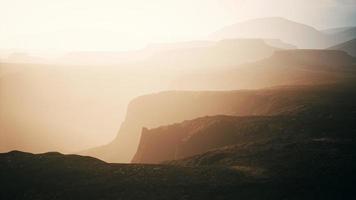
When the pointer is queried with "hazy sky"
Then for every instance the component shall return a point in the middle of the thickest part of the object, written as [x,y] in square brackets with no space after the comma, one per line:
[68,25]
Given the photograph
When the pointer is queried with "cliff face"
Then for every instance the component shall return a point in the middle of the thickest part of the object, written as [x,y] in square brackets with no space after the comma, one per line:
[197,136]
[172,107]
[325,118]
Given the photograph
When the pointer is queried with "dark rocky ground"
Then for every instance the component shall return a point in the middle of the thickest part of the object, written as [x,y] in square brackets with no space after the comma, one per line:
[57,176]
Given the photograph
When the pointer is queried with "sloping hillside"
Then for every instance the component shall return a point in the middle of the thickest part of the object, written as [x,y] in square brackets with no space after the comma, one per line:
[349,47]
[345,35]
[288,67]
[57,176]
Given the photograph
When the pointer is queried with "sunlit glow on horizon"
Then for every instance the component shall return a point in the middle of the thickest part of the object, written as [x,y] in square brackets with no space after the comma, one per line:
[79,25]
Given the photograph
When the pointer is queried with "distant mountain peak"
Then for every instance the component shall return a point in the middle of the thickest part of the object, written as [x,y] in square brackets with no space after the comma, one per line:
[301,35]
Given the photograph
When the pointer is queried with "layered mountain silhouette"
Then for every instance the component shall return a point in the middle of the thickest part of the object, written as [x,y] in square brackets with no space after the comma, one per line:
[343,34]
[301,35]
[290,67]
[264,109]
[336,30]
[184,55]
[349,47]
[171,107]
[222,54]
[287,67]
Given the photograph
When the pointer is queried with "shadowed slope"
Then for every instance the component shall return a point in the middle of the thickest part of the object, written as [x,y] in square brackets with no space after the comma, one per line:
[56,176]
[326,118]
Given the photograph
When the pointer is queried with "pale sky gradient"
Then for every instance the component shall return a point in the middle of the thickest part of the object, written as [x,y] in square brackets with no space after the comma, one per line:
[112,25]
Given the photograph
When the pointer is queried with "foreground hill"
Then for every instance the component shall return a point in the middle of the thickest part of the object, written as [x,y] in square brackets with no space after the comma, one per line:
[56,176]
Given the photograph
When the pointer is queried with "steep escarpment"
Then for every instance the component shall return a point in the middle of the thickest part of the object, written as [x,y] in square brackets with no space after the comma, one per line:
[164,108]
[322,148]
[329,114]
[197,136]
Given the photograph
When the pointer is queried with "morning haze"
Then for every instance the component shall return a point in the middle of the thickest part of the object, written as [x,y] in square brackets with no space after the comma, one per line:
[177,99]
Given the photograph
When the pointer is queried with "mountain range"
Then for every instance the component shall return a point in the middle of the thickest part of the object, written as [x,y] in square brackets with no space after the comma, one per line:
[285,67]
[265,110]
[177,106]
[301,35]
